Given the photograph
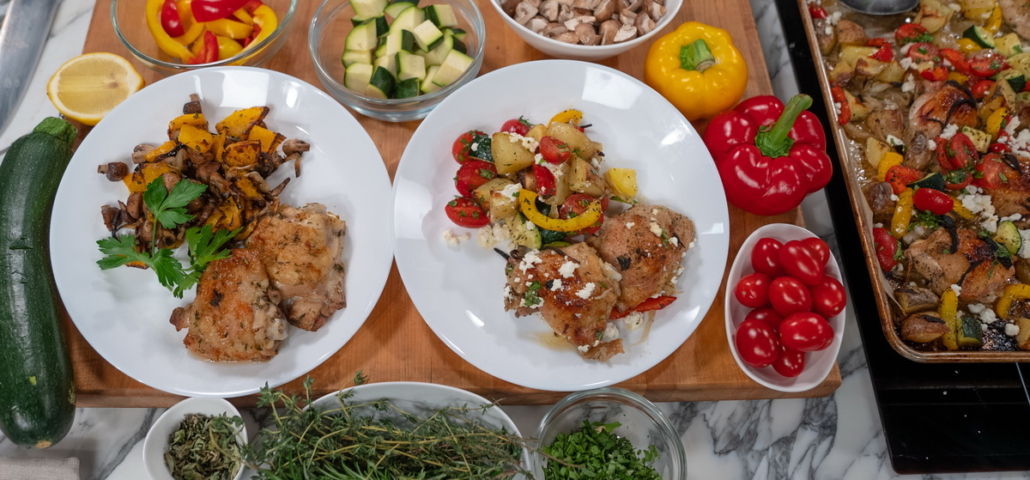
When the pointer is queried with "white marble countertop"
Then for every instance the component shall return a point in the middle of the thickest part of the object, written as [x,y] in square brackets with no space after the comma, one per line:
[835,437]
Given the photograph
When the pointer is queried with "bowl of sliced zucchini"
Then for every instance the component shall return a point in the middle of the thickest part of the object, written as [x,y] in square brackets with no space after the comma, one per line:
[396,60]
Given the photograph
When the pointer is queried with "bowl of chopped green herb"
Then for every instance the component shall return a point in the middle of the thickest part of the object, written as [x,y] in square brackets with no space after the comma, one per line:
[199,437]
[609,434]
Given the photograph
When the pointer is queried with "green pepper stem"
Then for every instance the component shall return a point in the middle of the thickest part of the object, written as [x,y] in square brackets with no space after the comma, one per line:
[774,142]
[696,56]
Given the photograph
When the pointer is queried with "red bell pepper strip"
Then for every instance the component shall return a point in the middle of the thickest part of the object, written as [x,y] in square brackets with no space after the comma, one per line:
[839,98]
[884,54]
[170,20]
[877,42]
[208,10]
[653,303]
[900,176]
[209,53]
[817,11]
[252,5]
[769,155]
[886,248]
[935,74]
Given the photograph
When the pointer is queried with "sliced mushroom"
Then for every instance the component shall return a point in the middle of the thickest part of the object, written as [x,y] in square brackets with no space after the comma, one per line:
[509,6]
[193,106]
[112,217]
[549,9]
[604,10]
[567,3]
[537,24]
[627,18]
[587,35]
[565,13]
[114,171]
[626,32]
[554,29]
[631,5]
[524,12]
[608,29]
[140,151]
[567,37]
[644,24]
[575,22]
[294,145]
[134,205]
[587,5]
[655,10]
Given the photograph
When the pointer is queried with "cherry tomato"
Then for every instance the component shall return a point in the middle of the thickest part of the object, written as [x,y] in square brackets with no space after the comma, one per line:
[756,343]
[462,149]
[998,147]
[956,58]
[819,248]
[982,88]
[829,297]
[886,248]
[799,262]
[576,204]
[923,52]
[465,212]
[884,54]
[788,295]
[806,331]
[753,290]
[911,32]
[545,182]
[765,257]
[935,74]
[957,153]
[765,315]
[993,172]
[554,150]
[472,174]
[518,126]
[790,362]
[934,201]
[986,63]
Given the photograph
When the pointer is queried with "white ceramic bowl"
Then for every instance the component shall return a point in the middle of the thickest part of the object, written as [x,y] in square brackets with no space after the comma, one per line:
[558,49]
[156,443]
[817,364]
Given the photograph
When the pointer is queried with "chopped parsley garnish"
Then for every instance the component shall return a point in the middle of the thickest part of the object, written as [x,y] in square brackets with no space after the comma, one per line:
[532,297]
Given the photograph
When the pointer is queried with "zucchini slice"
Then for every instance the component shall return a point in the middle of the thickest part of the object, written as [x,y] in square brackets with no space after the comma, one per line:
[1008,236]
[934,180]
[524,233]
[388,63]
[970,335]
[437,55]
[351,57]
[427,83]
[407,88]
[427,35]
[410,66]
[441,15]
[408,19]
[980,36]
[362,37]
[366,9]
[395,8]
[381,84]
[458,33]
[358,76]
[452,68]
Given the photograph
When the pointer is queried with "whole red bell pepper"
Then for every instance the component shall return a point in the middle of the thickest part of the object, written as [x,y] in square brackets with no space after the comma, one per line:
[769,155]
[209,10]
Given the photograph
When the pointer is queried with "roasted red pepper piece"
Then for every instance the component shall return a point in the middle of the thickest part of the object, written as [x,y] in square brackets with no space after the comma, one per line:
[769,155]
[209,10]
[877,42]
[817,11]
[170,19]
[886,248]
[209,53]
[653,303]
[982,88]
[899,176]
[839,98]
[935,74]
[884,54]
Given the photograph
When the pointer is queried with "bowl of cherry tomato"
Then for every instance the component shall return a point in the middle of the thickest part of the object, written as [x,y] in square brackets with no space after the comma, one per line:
[785,308]
[179,35]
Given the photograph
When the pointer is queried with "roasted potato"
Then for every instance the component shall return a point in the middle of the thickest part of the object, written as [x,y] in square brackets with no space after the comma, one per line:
[1023,337]
[575,139]
[537,132]
[509,154]
[490,196]
[850,33]
[582,179]
[892,73]
[923,327]
[933,15]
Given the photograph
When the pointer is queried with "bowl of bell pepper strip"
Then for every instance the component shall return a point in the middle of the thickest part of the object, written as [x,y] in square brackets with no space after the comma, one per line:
[180,35]
[770,156]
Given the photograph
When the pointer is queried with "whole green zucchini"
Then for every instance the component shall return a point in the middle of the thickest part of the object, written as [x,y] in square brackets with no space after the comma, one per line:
[36,390]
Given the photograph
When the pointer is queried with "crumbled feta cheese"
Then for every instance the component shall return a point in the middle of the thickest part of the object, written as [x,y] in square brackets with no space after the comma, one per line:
[692,243]
[949,131]
[836,108]
[954,7]
[531,258]
[1010,128]
[674,241]
[1011,329]
[894,141]
[611,332]
[474,147]
[634,320]
[978,204]
[1021,142]
[1015,217]
[630,224]
[529,143]
[975,308]
[894,197]
[656,229]
[538,159]
[586,291]
[583,348]
[556,285]
[906,63]
[931,144]
[595,162]
[834,18]
[877,225]
[507,291]
[454,239]
[1024,249]
[492,235]
[568,268]
[511,191]
[957,289]
[985,314]
[905,48]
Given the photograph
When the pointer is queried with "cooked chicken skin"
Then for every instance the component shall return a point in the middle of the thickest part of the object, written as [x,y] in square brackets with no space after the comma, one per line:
[929,113]
[646,244]
[301,248]
[235,316]
[1017,15]
[574,291]
[971,266]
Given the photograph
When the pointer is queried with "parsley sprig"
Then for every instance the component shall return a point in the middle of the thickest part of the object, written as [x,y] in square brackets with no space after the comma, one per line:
[169,211]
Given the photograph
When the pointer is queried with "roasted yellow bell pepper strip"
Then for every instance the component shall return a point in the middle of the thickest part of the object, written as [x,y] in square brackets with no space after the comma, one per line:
[961,210]
[265,19]
[196,138]
[996,120]
[993,23]
[165,42]
[966,45]
[1016,291]
[902,214]
[160,150]
[957,77]
[527,204]
[887,161]
[571,115]
[949,313]
[698,69]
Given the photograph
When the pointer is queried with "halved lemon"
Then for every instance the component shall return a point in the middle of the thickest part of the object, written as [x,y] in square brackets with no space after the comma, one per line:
[88,86]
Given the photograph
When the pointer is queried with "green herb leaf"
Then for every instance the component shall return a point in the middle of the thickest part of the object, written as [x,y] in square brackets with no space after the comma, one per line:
[205,446]
[121,250]
[596,452]
[169,208]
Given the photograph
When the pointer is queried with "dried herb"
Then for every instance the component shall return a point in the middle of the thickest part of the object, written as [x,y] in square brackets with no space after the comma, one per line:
[378,440]
[595,453]
[205,447]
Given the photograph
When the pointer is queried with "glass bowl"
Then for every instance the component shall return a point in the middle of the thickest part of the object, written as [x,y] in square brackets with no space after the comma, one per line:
[640,422]
[129,20]
[329,28]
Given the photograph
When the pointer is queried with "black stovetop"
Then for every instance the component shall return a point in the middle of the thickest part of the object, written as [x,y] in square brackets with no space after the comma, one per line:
[936,418]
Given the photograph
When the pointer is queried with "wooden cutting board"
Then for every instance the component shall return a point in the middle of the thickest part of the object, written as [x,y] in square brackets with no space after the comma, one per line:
[395,344]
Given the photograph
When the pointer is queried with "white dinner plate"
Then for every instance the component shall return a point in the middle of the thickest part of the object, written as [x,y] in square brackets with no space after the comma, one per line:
[123,313]
[458,290]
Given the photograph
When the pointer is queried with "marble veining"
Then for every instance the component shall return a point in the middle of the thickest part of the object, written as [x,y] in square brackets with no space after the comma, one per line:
[836,437]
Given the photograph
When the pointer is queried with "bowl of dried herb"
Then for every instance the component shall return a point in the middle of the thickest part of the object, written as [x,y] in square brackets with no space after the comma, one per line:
[200,437]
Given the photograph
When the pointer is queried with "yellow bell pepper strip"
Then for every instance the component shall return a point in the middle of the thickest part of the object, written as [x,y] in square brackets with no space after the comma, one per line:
[229,28]
[902,214]
[698,69]
[527,205]
[195,138]
[227,47]
[961,210]
[571,115]
[1016,291]
[265,23]
[949,313]
[165,42]
[958,77]
[996,120]
[887,161]
[158,152]
[966,45]
[993,23]
[243,16]
[194,29]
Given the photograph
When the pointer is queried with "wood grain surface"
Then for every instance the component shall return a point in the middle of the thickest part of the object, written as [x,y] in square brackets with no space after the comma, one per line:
[395,344]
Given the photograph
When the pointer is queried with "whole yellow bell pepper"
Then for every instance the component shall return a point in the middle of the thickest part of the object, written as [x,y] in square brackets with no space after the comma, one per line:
[165,42]
[698,69]
[527,204]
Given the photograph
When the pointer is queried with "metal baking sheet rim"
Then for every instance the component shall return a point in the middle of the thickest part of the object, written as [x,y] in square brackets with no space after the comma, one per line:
[863,218]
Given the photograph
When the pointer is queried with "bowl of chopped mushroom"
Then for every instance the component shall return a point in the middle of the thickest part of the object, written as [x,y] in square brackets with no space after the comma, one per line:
[586,29]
